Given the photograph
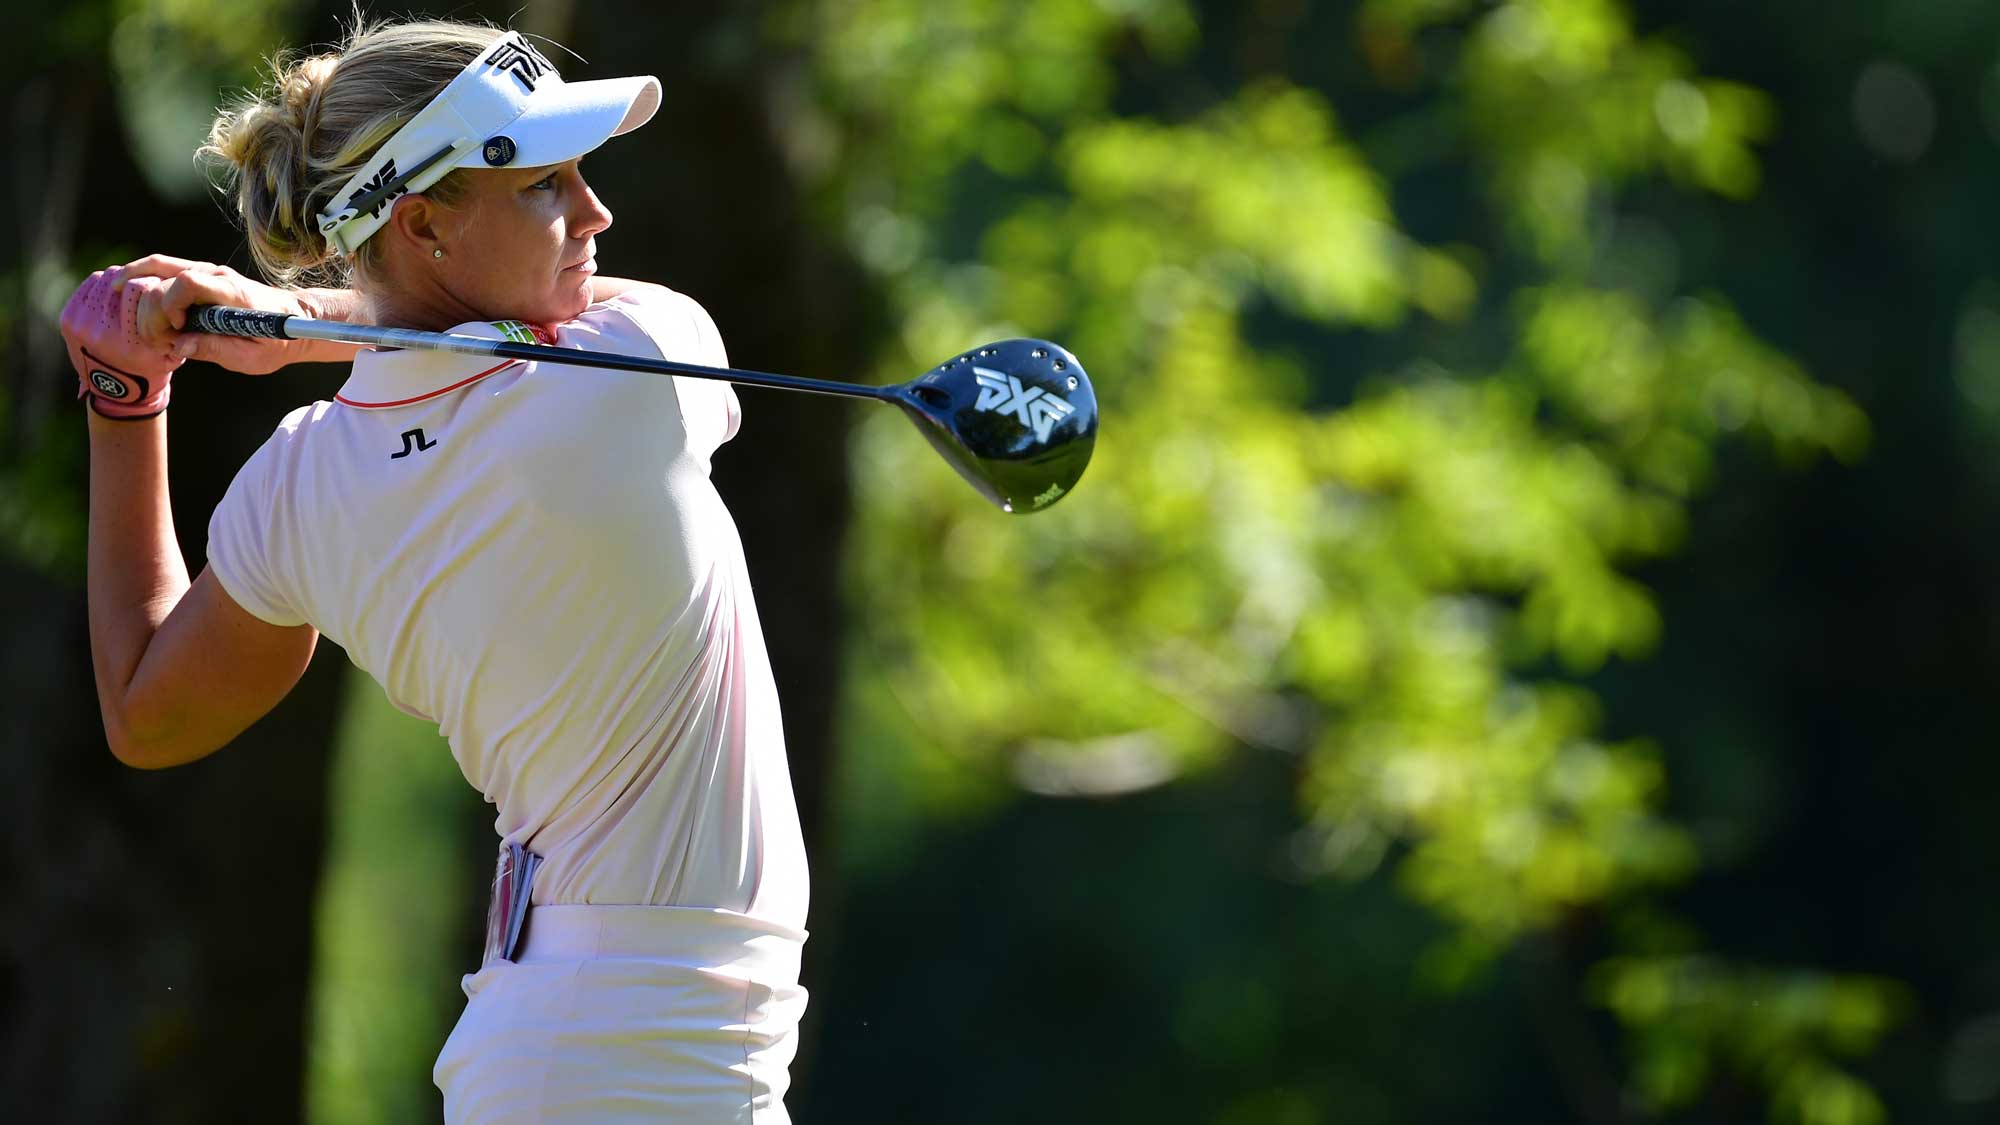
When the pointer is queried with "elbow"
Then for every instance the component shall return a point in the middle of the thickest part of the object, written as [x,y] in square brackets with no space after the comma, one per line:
[135,752]
[134,759]
[147,749]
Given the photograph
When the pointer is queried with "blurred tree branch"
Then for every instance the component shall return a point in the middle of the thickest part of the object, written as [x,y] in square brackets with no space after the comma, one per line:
[1432,556]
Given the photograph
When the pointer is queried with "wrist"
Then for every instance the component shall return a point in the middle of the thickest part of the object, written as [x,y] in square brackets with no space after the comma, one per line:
[342,305]
[329,304]
[116,395]
[99,425]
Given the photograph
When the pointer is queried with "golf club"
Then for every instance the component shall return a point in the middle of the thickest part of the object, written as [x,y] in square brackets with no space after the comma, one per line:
[1016,418]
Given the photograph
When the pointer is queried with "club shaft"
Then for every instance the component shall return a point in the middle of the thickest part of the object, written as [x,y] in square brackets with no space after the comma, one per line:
[251,323]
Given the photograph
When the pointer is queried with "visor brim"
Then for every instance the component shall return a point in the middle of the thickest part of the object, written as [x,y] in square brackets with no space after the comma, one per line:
[572,119]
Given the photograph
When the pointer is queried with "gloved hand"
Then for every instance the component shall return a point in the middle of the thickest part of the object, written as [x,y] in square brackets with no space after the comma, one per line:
[162,315]
[118,373]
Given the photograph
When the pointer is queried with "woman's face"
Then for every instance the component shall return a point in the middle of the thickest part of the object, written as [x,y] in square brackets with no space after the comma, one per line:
[522,244]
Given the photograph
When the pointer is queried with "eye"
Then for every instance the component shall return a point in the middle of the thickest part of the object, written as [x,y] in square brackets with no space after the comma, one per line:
[546,183]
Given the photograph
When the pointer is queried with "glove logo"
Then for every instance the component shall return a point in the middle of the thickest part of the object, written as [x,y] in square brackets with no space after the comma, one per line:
[107,386]
[1035,407]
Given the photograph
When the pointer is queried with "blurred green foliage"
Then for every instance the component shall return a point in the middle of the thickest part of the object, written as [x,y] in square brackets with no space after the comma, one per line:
[1387,576]
[41,499]
[1778,1026]
[387,949]
[1561,102]
[1395,576]
[169,60]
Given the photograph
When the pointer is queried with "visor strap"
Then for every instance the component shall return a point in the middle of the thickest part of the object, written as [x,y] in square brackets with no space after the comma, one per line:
[374,197]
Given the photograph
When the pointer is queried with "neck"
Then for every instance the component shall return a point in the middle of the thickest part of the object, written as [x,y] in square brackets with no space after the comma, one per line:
[413,297]
[428,312]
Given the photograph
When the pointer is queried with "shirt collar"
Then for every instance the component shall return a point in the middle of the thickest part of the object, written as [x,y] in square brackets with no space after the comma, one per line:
[386,378]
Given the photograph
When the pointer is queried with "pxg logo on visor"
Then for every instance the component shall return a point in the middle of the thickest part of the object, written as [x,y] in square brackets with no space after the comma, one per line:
[518,56]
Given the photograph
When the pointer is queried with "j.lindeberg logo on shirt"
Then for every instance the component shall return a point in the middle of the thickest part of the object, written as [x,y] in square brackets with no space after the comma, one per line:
[413,442]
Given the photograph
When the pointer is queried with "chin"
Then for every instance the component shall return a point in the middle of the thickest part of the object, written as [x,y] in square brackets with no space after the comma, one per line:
[564,308]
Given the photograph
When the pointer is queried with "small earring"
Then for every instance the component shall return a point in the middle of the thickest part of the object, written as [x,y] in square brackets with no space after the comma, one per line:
[438,253]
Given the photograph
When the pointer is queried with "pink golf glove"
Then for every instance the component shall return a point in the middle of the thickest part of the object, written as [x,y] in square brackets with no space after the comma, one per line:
[119,374]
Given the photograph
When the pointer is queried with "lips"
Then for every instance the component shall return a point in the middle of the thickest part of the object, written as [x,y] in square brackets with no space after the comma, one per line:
[589,261]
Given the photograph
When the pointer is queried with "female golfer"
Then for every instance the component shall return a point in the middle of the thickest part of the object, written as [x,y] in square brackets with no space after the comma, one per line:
[530,555]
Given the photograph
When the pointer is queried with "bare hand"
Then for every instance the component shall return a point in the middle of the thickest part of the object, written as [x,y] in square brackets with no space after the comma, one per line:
[162,315]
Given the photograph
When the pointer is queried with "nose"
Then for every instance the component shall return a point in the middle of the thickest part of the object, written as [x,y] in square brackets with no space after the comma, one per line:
[592,217]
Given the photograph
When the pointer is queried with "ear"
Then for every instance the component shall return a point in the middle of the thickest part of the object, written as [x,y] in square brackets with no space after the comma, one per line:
[419,223]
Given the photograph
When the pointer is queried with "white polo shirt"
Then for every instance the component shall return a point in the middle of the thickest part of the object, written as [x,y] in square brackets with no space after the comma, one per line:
[532,556]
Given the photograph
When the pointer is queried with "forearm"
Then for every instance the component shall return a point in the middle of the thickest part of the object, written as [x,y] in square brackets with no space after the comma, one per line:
[136,575]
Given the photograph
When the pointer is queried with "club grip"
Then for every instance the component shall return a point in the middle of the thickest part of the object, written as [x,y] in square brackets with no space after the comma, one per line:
[221,320]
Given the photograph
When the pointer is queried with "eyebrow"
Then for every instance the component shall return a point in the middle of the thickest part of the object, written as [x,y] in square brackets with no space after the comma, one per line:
[544,170]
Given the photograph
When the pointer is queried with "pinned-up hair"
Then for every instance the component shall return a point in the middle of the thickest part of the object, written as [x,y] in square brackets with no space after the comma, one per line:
[288,148]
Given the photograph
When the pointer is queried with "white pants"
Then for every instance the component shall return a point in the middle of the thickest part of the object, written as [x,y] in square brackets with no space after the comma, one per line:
[629,1014]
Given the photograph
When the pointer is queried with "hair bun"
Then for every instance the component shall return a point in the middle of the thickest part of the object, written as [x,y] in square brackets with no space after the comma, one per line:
[264,141]
[302,84]
[287,149]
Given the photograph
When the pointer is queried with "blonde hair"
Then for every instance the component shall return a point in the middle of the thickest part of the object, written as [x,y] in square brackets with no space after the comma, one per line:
[287,149]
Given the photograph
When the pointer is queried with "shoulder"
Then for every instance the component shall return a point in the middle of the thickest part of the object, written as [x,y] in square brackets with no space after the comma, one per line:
[302,421]
[253,530]
[290,437]
[654,318]
[282,457]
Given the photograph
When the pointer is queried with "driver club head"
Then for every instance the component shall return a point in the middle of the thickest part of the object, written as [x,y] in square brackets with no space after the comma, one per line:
[1016,418]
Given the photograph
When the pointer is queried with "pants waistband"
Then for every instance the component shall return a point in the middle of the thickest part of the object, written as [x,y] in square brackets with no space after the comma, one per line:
[698,937]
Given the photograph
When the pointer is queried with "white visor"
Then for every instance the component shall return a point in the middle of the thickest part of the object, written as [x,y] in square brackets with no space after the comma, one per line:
[507,109]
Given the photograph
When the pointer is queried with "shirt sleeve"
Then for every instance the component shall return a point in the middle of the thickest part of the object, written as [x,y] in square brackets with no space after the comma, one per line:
[244,539]
[711,339]
[679,328]
[676,326]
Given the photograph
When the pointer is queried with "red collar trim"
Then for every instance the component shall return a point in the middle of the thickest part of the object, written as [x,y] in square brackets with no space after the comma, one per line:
[345,401]
[383,379]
